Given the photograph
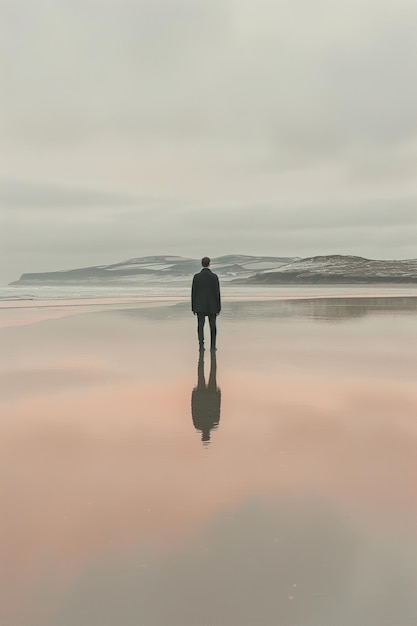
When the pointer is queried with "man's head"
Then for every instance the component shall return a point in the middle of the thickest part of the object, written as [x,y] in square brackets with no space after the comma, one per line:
[205,261]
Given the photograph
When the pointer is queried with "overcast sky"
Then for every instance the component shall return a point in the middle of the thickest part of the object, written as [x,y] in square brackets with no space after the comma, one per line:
[191,127]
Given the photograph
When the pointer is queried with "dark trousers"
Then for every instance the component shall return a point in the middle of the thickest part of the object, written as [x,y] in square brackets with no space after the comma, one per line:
[213,329]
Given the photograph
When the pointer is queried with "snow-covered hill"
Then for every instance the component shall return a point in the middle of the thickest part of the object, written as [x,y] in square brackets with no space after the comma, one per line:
[246,269]
[339,269]
[154,267]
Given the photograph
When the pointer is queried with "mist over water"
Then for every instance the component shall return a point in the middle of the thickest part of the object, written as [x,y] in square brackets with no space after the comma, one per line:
[181,288]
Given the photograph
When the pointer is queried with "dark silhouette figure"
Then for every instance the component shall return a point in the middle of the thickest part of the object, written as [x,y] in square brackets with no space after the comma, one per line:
[206,302]
[205,399]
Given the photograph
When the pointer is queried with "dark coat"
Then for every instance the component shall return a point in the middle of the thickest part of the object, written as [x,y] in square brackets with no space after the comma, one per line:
[205,293]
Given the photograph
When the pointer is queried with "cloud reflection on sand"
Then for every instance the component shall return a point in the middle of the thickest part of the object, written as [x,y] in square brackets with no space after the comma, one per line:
[292,561]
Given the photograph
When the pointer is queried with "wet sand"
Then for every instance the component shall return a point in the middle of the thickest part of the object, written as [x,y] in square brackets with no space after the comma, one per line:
[299,508]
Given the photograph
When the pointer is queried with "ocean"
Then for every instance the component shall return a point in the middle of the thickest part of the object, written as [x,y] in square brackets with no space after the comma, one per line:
[181,288]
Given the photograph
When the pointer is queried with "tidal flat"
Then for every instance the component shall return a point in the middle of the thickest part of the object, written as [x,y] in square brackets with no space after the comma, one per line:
[272,483]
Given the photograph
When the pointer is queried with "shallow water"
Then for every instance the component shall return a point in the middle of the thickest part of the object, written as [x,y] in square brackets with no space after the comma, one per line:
[271,483]
[180,287]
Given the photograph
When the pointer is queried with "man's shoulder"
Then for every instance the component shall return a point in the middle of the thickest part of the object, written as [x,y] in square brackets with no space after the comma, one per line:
[205,272]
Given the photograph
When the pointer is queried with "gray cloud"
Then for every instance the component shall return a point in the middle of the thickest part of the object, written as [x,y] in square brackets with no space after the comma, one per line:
[295,80]
[60,236]
[35,195]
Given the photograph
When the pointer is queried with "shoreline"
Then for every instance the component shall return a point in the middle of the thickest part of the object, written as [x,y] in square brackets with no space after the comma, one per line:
[18,303]
[24,312]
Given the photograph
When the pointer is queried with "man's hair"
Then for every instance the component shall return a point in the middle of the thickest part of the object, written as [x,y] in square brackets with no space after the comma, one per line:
[205,261]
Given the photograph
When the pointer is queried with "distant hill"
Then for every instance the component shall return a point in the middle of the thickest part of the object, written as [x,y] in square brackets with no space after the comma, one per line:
[338,269]
[155,267]
[332,269]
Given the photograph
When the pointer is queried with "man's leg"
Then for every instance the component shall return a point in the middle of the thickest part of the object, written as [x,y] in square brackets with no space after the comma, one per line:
[213,330]
[200,328]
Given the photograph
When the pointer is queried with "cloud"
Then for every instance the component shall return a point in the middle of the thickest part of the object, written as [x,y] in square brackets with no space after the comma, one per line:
[294,80]
[99,230]
[35,195]
[290,124]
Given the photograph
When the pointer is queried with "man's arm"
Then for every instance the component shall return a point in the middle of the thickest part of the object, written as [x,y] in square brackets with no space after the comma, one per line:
[193,293]
[218,295]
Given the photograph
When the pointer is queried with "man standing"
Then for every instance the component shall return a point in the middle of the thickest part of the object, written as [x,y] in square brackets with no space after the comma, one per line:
[205,301]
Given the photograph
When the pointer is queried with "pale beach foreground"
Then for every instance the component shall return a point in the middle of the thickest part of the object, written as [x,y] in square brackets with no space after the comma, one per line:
[301,510]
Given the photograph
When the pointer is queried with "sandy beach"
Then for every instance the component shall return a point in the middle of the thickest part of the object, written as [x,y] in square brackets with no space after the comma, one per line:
[299,510]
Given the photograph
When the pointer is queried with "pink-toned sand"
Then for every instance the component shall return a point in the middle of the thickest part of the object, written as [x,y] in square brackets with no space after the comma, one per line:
[100,460]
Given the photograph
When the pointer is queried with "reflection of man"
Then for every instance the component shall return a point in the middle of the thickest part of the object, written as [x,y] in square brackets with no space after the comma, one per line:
[205,301]
[205,399]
